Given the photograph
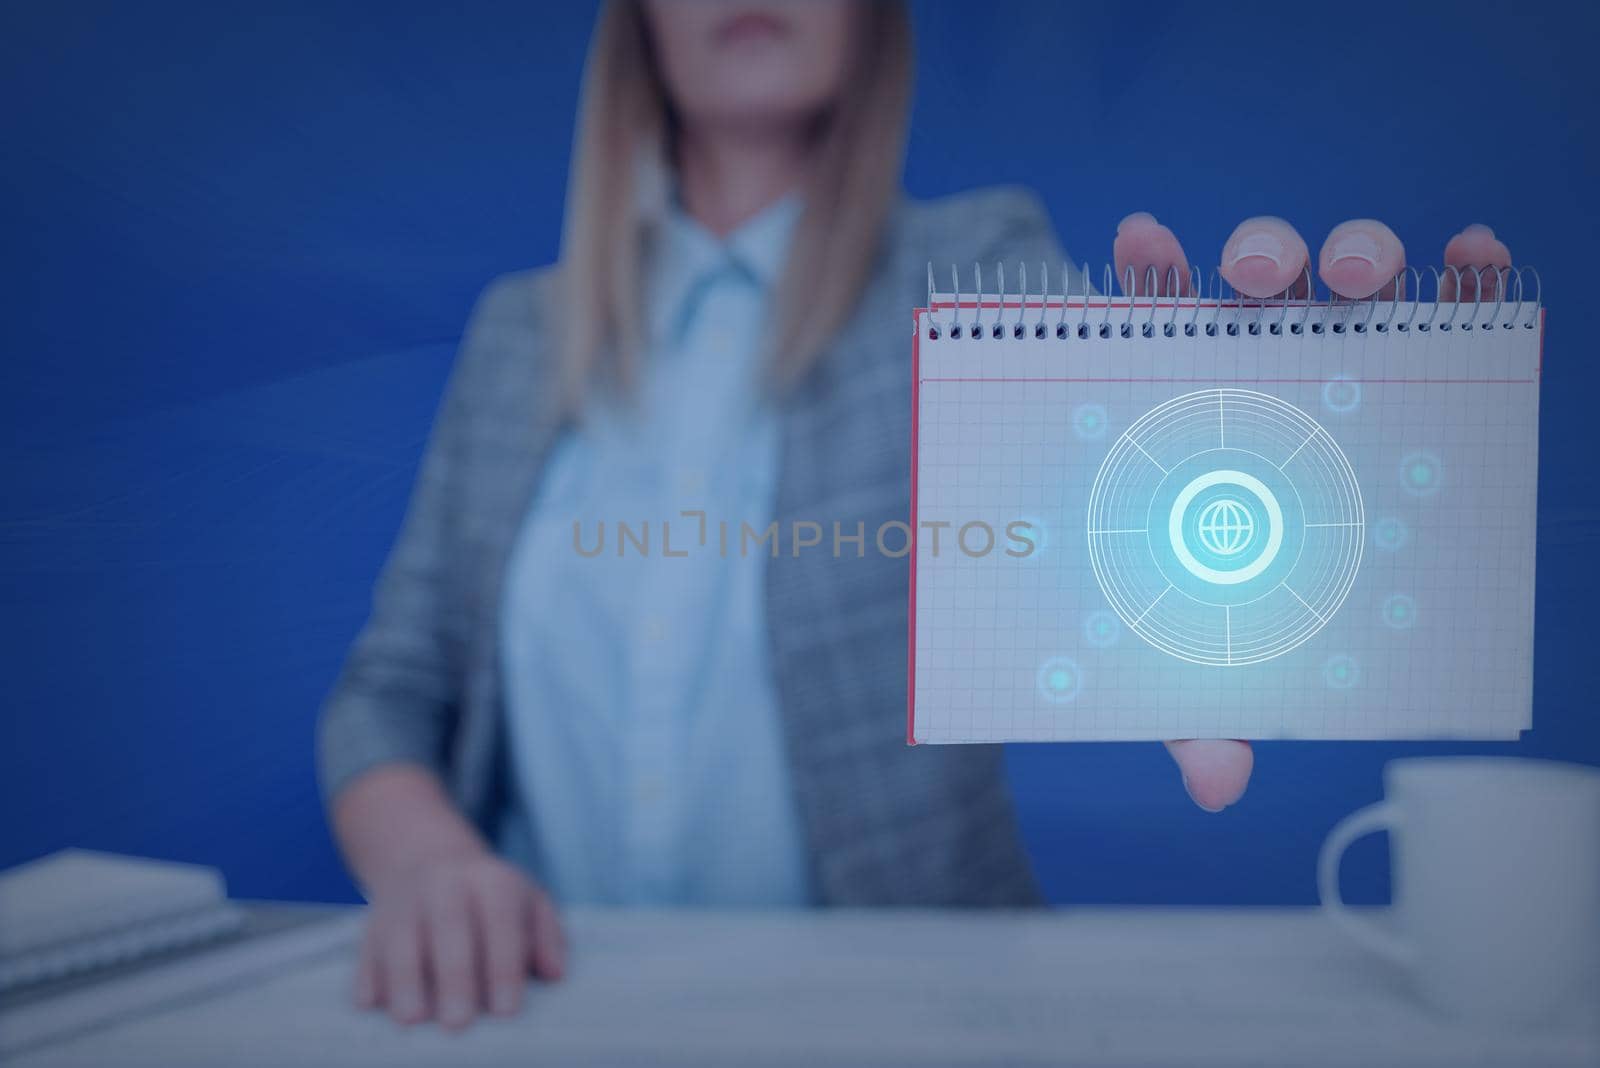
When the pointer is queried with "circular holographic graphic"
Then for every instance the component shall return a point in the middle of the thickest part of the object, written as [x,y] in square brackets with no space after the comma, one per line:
[1400,612]
[1341,672]
[1089,421]
[1419,474]
[1390,534]
[1059,680]
[1102,629]
[1341,395]
[1225,527]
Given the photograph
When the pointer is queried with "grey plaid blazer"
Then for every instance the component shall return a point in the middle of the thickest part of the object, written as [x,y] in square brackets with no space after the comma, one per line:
[885,823]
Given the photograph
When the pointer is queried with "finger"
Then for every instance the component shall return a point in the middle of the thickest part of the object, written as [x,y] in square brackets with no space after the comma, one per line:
[451,962]
[400,956]
[1214,772]
[503,934]
[548,953]
[1151,255]
[365,990]
[1471,250]
[1264,257]
[1361,258]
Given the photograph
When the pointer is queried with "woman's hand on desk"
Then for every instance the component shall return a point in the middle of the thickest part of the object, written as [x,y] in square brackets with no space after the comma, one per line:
[456,937]
[453,931]
[1263,258]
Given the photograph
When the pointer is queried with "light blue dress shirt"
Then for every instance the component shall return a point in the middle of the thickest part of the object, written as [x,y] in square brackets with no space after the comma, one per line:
[646,744]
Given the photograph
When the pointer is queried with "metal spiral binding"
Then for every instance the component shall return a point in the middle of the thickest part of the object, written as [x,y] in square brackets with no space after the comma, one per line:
[1083,313]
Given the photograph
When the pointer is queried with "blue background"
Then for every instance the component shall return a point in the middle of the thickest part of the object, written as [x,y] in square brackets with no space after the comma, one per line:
[239,248]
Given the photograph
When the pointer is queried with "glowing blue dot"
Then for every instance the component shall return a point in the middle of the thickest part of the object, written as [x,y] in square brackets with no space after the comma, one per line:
[1102,629]
[1059,680]
[1089,421]
[1399,611]
[1341,672]
[1419,473]
[1028,536]
[1341,395]
[1390,533]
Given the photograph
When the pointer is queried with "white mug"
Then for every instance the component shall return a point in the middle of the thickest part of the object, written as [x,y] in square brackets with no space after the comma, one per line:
[1496,867]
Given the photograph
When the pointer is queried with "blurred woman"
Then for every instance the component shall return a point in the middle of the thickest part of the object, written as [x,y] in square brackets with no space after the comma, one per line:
[528,720]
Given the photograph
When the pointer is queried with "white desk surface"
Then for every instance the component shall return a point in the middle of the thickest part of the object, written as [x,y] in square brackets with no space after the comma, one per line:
[1085,986]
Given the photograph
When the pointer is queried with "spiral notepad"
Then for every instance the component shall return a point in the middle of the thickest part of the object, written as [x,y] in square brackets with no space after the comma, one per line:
[1190,517]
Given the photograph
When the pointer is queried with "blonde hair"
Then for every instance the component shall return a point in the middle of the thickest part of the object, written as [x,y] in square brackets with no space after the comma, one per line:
[624,127]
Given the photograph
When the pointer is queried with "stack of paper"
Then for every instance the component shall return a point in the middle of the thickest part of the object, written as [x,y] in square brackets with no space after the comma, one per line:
[77,910]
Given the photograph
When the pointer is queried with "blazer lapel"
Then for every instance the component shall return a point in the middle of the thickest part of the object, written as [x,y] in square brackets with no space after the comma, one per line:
[885,823]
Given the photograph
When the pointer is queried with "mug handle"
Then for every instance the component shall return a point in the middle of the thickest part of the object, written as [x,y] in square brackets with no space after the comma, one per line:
[1370,820]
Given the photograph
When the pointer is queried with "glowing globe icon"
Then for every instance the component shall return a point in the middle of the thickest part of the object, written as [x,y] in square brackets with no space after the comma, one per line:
[1226,527]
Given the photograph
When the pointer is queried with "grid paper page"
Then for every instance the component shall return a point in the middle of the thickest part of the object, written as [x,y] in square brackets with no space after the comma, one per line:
[1244,533]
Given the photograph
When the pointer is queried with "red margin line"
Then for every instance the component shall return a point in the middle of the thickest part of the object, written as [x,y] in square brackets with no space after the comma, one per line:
[1115,304]
[1213,379]
[911,604]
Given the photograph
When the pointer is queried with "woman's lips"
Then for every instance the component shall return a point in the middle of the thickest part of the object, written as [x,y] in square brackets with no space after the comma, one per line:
[750,26]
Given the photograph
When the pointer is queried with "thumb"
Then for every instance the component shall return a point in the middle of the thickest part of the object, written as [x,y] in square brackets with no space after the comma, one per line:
[1214,772]
[547,956]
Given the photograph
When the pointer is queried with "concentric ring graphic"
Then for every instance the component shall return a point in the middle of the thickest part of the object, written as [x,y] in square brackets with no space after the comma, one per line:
[1225,527]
